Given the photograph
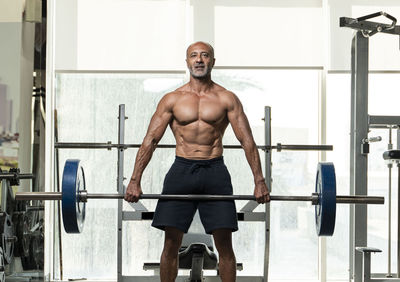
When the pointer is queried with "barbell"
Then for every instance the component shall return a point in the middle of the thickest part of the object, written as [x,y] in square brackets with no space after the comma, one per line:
[74,196]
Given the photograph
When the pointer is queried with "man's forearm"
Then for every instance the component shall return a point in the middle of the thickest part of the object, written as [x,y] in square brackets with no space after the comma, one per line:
[143,157]
[253,158]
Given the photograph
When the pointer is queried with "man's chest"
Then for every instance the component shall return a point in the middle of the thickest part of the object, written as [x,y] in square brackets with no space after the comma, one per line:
[192,108]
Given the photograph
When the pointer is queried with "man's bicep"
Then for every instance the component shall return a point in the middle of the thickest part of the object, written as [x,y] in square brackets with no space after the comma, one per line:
[239,121]
[159,121]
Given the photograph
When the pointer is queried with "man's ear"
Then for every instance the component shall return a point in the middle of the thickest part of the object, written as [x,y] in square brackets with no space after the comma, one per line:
[213,62]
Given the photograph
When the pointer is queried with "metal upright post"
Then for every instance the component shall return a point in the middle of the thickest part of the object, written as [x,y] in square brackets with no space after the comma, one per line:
[398,207]
[398,219]
[359,131]
[351,221]
[4,191]
[390,165]
[120,185]
[268,181]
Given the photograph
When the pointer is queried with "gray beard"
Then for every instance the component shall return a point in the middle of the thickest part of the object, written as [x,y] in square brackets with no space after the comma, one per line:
[205,74]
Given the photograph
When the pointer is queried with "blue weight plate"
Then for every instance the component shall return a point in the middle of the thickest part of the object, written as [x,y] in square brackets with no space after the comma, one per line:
[325,210]
[73,210]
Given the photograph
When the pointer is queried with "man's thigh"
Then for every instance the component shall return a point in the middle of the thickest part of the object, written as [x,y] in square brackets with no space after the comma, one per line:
[218,215]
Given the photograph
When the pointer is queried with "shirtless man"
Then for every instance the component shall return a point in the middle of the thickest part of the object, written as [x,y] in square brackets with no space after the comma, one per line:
[198,114]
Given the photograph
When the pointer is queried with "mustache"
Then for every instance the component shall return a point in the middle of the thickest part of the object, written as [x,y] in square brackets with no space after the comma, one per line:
[199,65]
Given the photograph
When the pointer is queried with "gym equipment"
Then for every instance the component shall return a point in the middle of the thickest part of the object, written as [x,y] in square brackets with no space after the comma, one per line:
[196,253]
[14,175]
[361,124]
[74,196]
[2,267]
[279,147]
[7,237]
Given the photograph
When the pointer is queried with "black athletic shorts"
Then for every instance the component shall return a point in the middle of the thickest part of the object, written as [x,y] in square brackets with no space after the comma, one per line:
[187,176]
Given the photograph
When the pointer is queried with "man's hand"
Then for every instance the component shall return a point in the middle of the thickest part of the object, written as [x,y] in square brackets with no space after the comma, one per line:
[133,192]
[261,192]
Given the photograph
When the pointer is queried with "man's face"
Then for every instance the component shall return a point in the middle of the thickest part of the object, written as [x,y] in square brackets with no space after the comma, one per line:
[200,60]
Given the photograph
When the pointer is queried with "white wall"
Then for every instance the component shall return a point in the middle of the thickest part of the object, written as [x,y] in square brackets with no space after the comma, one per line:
[10,50]
[11,10]
[146,35]
[269,33]
[120,35]
[66,33]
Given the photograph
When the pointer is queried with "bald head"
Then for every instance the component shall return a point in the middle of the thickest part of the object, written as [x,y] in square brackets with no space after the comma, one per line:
[200,60]
[208,45]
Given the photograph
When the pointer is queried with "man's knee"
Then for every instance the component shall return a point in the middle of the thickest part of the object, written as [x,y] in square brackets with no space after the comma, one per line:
[223,242]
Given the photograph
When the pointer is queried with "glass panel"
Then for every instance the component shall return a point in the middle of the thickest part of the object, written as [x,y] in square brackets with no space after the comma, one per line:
[294,121]
[87,107]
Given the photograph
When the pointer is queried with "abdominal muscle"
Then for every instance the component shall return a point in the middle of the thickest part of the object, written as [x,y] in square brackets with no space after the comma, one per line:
[198,140]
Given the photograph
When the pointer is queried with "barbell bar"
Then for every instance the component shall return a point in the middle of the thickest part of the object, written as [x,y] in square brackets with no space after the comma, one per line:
[279,147]
[84,196]
[12,175]
[74,196]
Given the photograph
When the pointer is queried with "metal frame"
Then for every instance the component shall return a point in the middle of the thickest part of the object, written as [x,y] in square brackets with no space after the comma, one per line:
[247,212]
[138,215]
[360,124]
[358,161]
[268,181]
[120,187]
[249,215]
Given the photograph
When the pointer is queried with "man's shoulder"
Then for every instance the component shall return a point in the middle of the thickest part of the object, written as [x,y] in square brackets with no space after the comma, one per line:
[169,99]
[172,95]
[227,97]
[224,93]
[181,90]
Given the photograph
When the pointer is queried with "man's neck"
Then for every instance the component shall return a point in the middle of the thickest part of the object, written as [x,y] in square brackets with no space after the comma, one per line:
[200,85]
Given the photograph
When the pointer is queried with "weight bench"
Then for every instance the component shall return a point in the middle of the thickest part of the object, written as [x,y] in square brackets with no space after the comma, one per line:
[196,253]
